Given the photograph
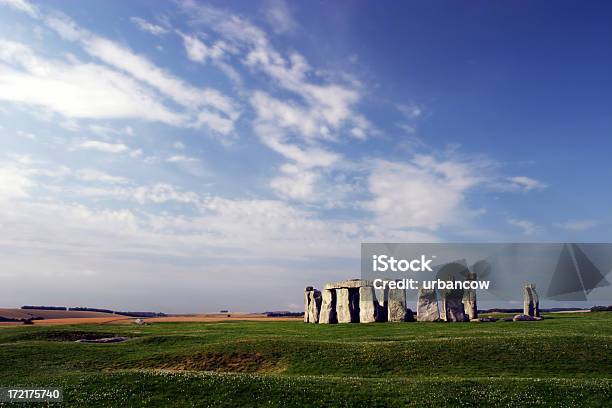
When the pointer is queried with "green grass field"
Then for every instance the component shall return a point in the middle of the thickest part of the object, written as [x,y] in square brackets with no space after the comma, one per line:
[564,360]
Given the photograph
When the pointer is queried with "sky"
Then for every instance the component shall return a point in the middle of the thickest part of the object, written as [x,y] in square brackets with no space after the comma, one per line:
[190,156]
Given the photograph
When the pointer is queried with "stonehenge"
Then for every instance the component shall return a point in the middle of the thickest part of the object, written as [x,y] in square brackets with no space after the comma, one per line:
[531,301]
[357,301]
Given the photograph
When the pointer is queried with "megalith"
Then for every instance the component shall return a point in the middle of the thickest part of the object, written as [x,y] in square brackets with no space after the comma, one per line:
[328,307]
[343,306]
[531,301]
[314,306]
[452,305]
[396,307]
[469,299]
[307,302]
[427,306]
[367,304]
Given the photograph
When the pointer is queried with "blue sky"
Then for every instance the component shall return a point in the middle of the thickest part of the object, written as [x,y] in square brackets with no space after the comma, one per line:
[192,156]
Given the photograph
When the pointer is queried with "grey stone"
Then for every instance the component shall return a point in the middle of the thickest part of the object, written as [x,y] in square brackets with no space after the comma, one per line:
[328,307]
[314,306]
[396,307]
[452,306]
[427,306]
[469,299]
[531,301]
[350,283]
[484,320]
[522,318]
[367,304]
[343,307]
[307,302]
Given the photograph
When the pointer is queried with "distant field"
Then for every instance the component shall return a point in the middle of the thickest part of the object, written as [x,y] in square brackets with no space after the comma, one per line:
[63,317]
[49,314]
[564,360]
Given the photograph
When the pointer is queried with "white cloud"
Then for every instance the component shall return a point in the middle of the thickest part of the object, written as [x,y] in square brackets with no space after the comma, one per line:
[179,158]
[14,182]
[99,176]
[196,50]
[103,130]
[325,108]
[102,146]
[151,28]
[26,135]
[74,89]
[525,183]
[215,121]
[144,70]
[279,17]
[178,145]
[577,225]
[410,111]
[21,5]
[423,193]
[194,100]
[296,184]
[528,227]
[161,193]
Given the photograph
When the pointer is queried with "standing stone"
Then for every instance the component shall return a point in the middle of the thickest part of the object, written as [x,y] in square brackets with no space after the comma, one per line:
[343,309]
[536,301]
[452,306]
[427,306]
[328,307]
[307,302]
[396,308]
[531,301]
[469,300]
[367,304]
[314,306]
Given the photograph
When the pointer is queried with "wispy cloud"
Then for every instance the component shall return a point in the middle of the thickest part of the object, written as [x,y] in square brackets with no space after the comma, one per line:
[151,28]
[527,227]
[21,5]
[279,16]
[426,192]
[525,183]
[74,89]
[577,225]
[100,176]
[179,158]
[102,146]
